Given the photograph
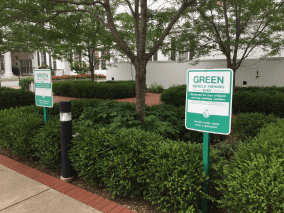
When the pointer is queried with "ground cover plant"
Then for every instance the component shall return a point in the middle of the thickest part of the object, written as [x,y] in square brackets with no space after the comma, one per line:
[156,88]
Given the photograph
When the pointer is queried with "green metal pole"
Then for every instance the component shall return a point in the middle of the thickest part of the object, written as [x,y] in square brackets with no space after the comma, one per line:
[46,116]
[206,157]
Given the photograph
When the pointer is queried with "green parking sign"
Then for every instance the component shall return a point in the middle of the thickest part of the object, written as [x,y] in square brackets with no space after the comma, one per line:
[209,100]
[43,88]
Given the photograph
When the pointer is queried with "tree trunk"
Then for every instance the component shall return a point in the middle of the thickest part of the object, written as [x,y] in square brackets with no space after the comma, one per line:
[234,80]
[92,72]
[140,83]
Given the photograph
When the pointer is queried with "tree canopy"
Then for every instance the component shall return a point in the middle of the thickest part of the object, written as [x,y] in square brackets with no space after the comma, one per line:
[233,27]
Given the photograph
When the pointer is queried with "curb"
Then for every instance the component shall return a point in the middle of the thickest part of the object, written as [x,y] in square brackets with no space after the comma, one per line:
[88,198]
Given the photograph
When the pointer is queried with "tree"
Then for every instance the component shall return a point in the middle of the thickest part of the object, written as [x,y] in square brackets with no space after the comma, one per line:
[147,23]
[237,27]
[83,35]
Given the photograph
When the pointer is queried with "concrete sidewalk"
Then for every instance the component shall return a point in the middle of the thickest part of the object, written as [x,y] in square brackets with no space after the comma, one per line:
[24,189]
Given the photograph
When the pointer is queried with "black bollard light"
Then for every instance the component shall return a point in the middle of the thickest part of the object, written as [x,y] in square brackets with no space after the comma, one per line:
[66,136]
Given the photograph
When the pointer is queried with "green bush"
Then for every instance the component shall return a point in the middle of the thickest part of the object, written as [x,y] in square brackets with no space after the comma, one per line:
[77,107]
[116,114]
[100,90]
[253,182]
[15,98]
[156,88]
[48,144]
[24,83]
[174,95]
[175,178]
[133,161]
[267,102]
[248,125]
[17,129]
[115,158]
[257,89]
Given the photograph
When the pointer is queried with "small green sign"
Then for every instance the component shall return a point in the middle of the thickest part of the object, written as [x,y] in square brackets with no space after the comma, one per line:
[209,100]
[43,88]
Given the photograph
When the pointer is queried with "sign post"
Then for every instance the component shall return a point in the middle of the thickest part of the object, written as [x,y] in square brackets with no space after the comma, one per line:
[43,90]
[209,108]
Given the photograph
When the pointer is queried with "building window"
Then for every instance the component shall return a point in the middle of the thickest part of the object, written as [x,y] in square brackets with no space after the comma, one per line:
[173,51]
[155,56]
[97,65]
[97,54]
[103,64]
[38,61]
[2,63]
[26,66]
[43,58]
[183,56]
[54,64]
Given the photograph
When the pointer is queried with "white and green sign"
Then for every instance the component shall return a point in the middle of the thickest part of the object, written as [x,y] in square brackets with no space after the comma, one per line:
[209,100]
[43,88]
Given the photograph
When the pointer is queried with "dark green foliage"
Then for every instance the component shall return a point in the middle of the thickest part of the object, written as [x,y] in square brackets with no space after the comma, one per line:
[253,182]
[24,83]
[175,178]
[133,161]
[118,114]
[77,107]
[15,98]
[266,102]
[174,95]
[162,119]
[100,90]
[257,89]
[17,129]
[47,144]
[248,125]
[115,158]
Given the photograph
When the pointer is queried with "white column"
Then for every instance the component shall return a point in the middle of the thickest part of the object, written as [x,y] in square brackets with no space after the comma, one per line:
[8,66]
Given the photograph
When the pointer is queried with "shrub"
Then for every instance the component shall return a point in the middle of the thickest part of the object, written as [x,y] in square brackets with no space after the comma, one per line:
[115,158]
[266,102]
[249,124]
[100,90]
[156,88]
[132,161]
[118,114]
[17,129]
[175,178]
[24,83]
[174,95]
[48,144]
[253,182]
[15,98]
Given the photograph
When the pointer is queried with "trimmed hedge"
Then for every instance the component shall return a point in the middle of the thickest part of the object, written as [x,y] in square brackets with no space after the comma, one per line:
[17,129]
[174,95]
[253,182]
[256,89]
[248,125]
[267,100]
[133,161]
[100,90]
[15,98]
[261,102]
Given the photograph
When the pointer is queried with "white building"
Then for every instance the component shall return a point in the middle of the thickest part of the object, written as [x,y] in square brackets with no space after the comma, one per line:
[25,63]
